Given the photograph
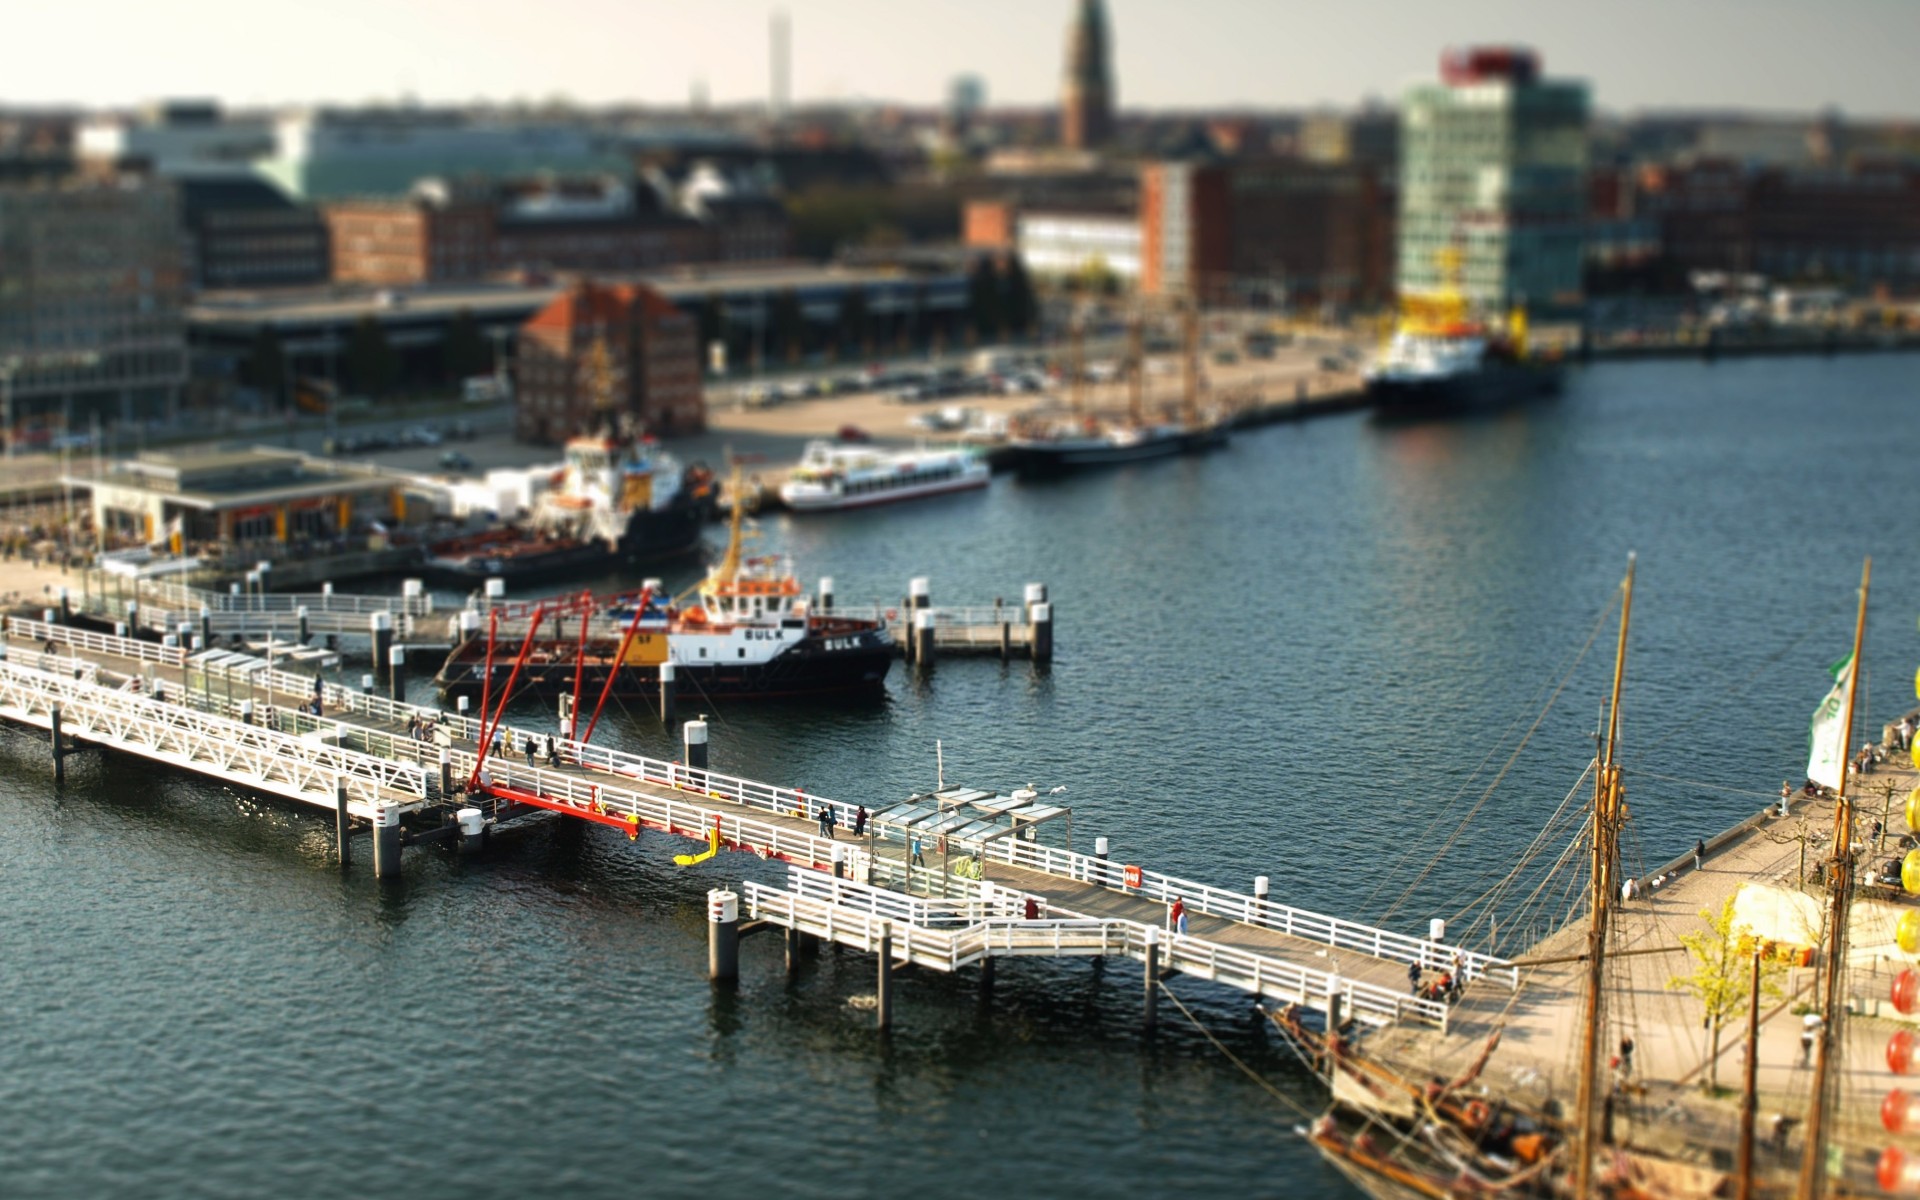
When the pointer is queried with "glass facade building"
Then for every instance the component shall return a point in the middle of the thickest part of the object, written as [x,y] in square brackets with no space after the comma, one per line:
[1493,163]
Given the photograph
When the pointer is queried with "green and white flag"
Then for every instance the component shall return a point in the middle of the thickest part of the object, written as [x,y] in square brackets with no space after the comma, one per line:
[1827,753]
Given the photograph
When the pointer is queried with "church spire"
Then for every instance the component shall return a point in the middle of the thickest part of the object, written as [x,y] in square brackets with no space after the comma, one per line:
[1086,101]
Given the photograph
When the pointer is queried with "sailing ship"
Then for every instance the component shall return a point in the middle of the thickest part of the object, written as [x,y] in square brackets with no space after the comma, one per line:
[1395,1136]
[1040,447]
[1442,359]
[749,633]
[615,501]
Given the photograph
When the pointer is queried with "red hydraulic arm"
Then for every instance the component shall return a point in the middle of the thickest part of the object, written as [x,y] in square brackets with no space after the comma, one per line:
[619,658]
[488,729]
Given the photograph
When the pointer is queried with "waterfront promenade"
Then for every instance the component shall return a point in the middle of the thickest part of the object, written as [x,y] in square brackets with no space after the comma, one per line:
[1542,1022]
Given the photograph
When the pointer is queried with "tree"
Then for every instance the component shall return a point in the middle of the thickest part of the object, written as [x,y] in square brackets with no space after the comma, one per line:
[265,367]
[465,350]
[1722,975]
[789,324]
[372,363]
[983,298]
[854,320]
[1018,300]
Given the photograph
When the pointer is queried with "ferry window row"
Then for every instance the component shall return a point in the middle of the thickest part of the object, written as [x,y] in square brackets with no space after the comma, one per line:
[907,479]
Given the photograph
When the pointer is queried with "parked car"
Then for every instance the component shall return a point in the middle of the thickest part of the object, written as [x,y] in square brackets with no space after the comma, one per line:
[453,460]
[853,433]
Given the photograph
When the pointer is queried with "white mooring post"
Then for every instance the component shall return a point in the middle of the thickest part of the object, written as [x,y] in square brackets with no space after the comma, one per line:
[723,935]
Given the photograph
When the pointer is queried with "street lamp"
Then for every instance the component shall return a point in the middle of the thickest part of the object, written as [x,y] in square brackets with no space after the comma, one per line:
[7,367]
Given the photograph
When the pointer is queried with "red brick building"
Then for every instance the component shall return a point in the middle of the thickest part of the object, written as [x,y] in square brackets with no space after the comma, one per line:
[652,365]
[1861,225]
[419,239]
[451,235]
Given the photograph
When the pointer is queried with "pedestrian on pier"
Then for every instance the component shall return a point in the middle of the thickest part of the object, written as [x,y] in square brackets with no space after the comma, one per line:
[1906,728]
[827,821]
[1177,916]
[1786,796]
[1626,1056]
[553,751]
[860,821]
[1413,978]
[1699,854]
[918,861]
[527,745]
[1809,1033]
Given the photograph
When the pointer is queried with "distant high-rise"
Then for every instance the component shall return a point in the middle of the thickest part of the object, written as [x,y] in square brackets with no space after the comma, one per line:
[1493,169]
[781,49]
[1086,100]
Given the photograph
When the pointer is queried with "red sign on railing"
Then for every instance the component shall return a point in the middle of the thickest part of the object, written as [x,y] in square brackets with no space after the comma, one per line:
[1132,877]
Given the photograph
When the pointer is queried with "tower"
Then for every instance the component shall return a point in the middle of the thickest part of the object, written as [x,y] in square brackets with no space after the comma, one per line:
[1086,99]
[780,43]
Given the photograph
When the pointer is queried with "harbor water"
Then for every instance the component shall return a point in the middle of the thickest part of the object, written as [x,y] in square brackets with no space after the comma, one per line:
[1308,656]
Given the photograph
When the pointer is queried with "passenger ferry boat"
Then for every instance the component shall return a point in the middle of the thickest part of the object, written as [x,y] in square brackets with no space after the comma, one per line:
[751,633]
[832,477]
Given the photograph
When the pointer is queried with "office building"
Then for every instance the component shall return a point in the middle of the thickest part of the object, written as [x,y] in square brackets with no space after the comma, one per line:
[91,288]
[1493,178]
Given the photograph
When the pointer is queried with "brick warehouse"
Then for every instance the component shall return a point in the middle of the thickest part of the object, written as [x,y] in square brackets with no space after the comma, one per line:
[652,365]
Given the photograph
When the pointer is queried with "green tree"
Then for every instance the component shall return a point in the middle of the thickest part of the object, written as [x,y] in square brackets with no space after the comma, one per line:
[788,324]
[983,298]
[854,321]
[1098,278]
[265,367]
[1722,975]
[372,363]
[1018,299]
[465,351]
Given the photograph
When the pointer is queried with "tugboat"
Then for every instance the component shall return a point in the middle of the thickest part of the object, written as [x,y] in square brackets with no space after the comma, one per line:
[615,503]
[1441,360]
[752,633]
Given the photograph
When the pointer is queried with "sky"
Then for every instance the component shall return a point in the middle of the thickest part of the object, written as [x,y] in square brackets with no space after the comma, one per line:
[1788,55]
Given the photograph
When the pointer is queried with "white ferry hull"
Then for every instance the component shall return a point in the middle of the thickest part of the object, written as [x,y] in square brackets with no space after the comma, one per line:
[801,501]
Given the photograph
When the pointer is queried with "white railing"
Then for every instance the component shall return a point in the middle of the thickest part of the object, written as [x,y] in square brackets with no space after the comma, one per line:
[798,804]
[950,949]
[1251,910]
[40,633]
[880,902]
[298,768]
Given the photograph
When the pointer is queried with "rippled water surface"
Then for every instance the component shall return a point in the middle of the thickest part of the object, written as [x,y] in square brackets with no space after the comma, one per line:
[1288,658]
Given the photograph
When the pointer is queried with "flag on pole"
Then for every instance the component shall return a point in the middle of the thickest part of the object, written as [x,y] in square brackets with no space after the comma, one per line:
[1827,738]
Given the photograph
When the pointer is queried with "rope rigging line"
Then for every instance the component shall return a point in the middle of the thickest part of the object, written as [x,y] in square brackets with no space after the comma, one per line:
[1447,808]
[1565,679]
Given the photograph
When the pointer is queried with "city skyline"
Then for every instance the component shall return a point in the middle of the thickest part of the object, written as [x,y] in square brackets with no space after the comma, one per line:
[1204,54]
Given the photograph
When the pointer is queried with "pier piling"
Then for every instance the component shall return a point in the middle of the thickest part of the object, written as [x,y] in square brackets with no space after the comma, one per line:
[883,982]
[446,771]
[1150,1015]
[386,843]
[669,694]
[381,625]
[342,825]
[986,978]
[305,631]
[922,654]
[723,936]
[694,737]
[1041,639]
[397,672]
[66,608]
[1336,1008]
[473,829]
[826,593]
[59,752]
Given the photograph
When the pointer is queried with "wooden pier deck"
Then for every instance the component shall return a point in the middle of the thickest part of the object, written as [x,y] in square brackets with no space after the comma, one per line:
[1086,904]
